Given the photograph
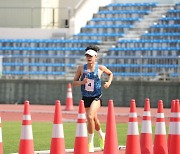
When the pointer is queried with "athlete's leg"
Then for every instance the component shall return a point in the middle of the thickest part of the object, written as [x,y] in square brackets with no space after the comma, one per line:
[100,132]
[91,114]
[98,127]
[97,123]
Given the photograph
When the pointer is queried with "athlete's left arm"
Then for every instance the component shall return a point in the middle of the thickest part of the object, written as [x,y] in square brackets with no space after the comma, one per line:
[105,70]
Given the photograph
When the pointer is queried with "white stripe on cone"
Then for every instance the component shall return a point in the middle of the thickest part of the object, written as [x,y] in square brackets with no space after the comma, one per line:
[81,130]
[160,128]
[146,127]
[133,115]
[177,115]
[26,117]
[133,128]
[147,113]
[24,134]
[160,115]
[171,124]
[58,131]
[176,128]
[81,116]
[69,94]
[69,89]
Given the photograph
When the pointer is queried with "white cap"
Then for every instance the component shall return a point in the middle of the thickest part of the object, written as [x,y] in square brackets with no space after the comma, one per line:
[91,52]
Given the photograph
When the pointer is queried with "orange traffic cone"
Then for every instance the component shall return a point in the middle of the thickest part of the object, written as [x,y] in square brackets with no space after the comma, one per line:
[81,140]
[26,141]
[146,130]
[171,126]
[132,142]
[1,144]
[69,99]
[57,141]
[175,136]
[160,141]
[111,140]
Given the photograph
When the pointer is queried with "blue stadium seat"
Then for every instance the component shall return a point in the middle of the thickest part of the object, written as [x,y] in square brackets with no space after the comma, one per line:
[174,74]
[100,35]
[108,26]
[124,12]
[135,74]
[170,18]
[116,19]
[32,73]
[165,26]
[133,4]
[13,72]
[37,64]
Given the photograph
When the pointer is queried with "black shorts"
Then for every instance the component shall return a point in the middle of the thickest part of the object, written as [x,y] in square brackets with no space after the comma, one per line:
[89,100]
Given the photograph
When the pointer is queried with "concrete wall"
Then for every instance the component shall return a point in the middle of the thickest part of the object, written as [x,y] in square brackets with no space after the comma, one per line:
[46,92]
[13,12]
[25,13]
[32,33]
[68,3]
[20,3]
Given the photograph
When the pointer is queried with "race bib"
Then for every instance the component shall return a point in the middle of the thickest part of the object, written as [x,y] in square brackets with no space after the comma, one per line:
[89,86]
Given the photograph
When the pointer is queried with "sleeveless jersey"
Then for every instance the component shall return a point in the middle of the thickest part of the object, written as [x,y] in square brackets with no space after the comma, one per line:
[93,87]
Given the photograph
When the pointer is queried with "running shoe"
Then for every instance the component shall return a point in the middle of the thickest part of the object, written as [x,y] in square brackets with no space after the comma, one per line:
[101,142]
[91,147]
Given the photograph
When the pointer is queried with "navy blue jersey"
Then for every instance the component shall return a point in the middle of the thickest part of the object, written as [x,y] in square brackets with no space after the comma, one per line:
[93,87]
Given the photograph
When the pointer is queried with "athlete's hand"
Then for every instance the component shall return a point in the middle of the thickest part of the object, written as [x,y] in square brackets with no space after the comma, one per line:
[106,84]
[85,80]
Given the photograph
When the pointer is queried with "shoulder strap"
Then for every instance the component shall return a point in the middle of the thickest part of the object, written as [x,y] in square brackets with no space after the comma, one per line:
[85,68]
[96,68]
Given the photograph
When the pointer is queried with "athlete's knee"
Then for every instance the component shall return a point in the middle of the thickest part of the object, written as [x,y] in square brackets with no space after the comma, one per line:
[90,117]
[97,121]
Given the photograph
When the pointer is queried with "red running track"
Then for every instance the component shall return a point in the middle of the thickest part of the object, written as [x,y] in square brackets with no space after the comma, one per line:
[45,113]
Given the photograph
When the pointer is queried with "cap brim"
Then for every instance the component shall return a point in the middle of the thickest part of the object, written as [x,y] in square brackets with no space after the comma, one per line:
[91,53]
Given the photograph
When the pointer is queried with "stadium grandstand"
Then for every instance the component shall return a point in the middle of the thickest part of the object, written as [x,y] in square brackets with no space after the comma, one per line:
[139,40]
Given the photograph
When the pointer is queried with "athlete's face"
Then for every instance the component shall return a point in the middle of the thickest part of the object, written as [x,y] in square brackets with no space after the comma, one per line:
[90,59]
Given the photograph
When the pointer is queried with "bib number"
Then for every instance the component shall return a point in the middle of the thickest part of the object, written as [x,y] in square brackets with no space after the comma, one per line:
[89,86]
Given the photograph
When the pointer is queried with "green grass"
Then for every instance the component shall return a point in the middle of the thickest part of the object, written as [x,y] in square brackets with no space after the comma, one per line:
[42,135]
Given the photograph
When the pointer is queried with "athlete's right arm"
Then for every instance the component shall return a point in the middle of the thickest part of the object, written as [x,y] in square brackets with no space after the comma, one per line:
[76,81]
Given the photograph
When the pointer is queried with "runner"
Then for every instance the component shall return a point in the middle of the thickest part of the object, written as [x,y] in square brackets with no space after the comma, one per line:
[88,76]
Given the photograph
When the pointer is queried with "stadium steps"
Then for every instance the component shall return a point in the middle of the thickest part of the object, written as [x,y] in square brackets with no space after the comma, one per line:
[141,26]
